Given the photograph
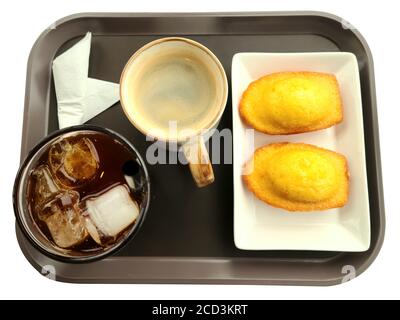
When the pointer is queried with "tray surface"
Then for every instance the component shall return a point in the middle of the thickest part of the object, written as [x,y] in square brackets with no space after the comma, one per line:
[188,233]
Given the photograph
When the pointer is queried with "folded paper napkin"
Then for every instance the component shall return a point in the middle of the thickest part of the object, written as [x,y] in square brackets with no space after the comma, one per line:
[80,98]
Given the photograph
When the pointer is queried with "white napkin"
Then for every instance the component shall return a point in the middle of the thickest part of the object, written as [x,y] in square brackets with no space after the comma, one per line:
[80,98]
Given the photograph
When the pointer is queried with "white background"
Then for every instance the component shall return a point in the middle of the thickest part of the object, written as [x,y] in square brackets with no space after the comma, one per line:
[21,24]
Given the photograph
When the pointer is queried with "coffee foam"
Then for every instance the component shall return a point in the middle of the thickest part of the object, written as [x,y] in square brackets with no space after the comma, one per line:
[173,85]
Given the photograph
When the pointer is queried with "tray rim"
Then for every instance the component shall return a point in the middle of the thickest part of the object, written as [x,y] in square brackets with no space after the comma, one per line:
[377,159]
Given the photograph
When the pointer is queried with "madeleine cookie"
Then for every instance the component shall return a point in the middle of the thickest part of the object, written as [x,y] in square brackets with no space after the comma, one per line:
[298,177]
[292,102]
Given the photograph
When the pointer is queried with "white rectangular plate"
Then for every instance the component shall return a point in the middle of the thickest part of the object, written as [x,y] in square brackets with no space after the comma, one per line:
[259,226]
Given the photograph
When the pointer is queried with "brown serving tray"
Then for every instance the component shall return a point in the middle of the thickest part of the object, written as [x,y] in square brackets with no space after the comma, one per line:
[188,233]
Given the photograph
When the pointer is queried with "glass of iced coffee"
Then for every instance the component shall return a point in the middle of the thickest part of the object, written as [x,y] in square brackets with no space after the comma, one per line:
[81,193]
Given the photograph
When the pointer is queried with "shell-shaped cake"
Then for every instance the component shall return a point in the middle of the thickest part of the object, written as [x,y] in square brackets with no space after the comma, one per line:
[298,177]
[292,102]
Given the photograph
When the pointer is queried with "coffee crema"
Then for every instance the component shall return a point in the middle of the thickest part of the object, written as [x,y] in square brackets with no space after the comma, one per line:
[172,89]
[177,89]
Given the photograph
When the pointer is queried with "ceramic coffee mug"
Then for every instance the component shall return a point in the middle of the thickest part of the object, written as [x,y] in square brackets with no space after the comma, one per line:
[175,90]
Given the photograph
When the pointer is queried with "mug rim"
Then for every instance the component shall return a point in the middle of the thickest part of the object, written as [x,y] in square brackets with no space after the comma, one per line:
[211,124]
[18,211]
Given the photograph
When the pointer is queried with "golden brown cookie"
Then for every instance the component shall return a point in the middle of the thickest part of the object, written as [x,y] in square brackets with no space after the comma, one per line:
[292,102]
[298,177]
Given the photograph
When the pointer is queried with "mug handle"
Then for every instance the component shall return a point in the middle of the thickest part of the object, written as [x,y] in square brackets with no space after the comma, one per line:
[199,162]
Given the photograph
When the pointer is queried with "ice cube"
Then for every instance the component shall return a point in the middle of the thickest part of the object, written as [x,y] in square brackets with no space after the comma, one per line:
[73,162]
[64,220]
[110,213]
[44,186]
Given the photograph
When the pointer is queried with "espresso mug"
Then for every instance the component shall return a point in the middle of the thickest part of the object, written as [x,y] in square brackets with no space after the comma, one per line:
[175,90]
